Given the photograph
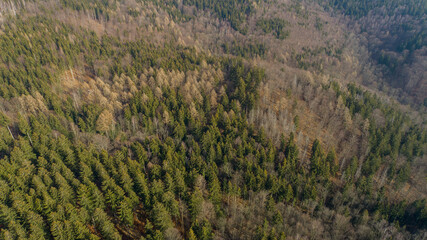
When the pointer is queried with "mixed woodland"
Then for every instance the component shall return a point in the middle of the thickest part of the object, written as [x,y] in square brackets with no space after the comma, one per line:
[196,119]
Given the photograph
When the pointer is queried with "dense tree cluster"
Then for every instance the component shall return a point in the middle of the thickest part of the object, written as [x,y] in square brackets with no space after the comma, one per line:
[389,139]
[100,9]
[396,36]
[360,8]
[275,25]
[234,11]
[249,50]
[146,141]
[28,63]
[313,59]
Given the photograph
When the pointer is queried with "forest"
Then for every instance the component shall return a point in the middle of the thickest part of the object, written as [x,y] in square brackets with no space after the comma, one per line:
[398,43]
[104,136]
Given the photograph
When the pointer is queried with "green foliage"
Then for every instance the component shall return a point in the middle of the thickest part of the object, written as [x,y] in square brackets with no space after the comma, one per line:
[195,203]
[100,9]
[312,58]
[188,172]
[105,226]
[318,24]
[88,116]
[161,217]
[234,11]
[4,120]
[275,25]
[249,50]
[27,62]
[243,83]
[390,140]
[360,8]
[396,49]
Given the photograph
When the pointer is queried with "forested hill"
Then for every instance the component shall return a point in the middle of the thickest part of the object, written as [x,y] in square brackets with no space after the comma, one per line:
[396,34]
[193,119]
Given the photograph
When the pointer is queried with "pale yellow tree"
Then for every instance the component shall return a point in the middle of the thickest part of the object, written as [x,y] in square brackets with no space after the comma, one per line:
[105,121]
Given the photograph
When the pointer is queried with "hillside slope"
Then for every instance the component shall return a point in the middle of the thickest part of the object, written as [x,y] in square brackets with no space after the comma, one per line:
[193,119]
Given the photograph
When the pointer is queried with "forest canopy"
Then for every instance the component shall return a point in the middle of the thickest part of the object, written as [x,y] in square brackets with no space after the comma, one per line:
[111,136]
